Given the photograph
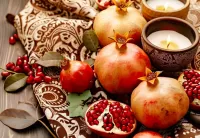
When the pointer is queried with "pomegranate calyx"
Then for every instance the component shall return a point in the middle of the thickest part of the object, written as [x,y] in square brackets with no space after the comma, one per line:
[122,5]
[65,63]
[121,40]
[151,77]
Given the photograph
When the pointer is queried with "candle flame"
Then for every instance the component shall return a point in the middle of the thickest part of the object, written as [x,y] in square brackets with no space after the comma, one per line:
[168,39]
[166,6]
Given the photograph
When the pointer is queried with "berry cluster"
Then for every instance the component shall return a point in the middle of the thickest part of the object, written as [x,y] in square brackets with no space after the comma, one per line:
[34,71]
[13,39]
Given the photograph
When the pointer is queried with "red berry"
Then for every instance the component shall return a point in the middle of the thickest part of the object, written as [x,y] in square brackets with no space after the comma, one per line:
[27,69]
[19,58]
[12,40]
[30,80]
[39,69]
[16,36]
[10,65]
[37,79]
[35,65]
[47,79]
[25,63]
[30,73]
[5,74]
[18,69]
[40,74]
[25,57]
[19,62]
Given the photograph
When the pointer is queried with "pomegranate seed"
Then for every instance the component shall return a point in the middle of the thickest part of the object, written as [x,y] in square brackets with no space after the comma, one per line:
[41,74]
[195,90]
[27,69]
[128,129]
[48,79]
[110,125]
[198,78]
[37,79]
[198,91]
[88,114]
[186,87]
[107,128]
[110,120]
[198,86]
[104,105]
[194,85]
[90,119]
[117,125]
[117,103]
[101,110]
[116,115]
[194,96]
[16,36]
[123,128]
[130,125]
[118,110]
[18,69]
[105,102]
[39,69]
[196,81]
[123,122]
[30,80]
[192,72]
[107,3]
[105,119]
[10,65]
[198,96]
[189,76]
[5,74]
[96,122]
[12,40]
[95,116]
[96,108]
[92,112]
[132,121]
[193,79]
[189,93]
[185,73]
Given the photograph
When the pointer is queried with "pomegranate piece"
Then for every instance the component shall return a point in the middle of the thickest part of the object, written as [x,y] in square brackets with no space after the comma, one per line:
[110,119]
[30,80]
[18,69]
[190,79]
[12,40]
[148,134]
[38,79]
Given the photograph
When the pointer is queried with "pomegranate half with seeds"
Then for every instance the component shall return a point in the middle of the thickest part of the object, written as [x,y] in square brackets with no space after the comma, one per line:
[190,79]
[110,119]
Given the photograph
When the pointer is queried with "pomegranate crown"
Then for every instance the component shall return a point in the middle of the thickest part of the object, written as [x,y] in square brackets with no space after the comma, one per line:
[121,40]
[122,5]
[150,76]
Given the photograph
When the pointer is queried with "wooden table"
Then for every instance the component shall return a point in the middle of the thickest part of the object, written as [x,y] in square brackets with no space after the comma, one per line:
[10,53]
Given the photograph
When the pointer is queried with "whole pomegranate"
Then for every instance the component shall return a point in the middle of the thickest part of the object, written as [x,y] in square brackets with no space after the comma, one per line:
[110,119]
[119,65]
[190,79]
[76,76]
[148,134]
[121,18]
[159,102]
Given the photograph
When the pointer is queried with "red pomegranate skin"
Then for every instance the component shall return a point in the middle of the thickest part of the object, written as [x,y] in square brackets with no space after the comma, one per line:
[77,77]
[147,134]
[118,70]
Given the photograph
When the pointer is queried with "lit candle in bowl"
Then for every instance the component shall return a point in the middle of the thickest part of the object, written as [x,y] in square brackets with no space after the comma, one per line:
[171,43]
[168,5]
[169,39]
[159,8]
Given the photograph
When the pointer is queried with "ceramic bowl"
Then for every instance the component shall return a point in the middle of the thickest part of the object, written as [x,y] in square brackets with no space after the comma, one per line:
[166,59]
[150,13]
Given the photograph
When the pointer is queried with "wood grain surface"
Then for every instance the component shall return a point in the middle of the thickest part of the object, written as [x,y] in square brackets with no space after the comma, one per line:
[10,53]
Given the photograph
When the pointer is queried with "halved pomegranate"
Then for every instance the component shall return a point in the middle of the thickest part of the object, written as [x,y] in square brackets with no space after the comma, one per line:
[110,119]
[190,79]
[147,134]
[103,4]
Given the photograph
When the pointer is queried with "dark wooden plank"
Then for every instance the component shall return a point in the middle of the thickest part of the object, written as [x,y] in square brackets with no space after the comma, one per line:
[10,53]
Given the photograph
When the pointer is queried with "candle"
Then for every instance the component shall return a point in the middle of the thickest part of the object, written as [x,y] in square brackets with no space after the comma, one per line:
[168,39]
[168,5]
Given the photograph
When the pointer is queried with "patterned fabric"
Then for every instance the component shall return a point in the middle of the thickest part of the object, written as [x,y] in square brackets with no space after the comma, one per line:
[58,25]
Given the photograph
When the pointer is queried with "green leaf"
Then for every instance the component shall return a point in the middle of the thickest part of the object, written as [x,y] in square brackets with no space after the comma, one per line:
[17,119]
[50,59]
[90,61]
[15,82]
[77,106]
[90,40]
